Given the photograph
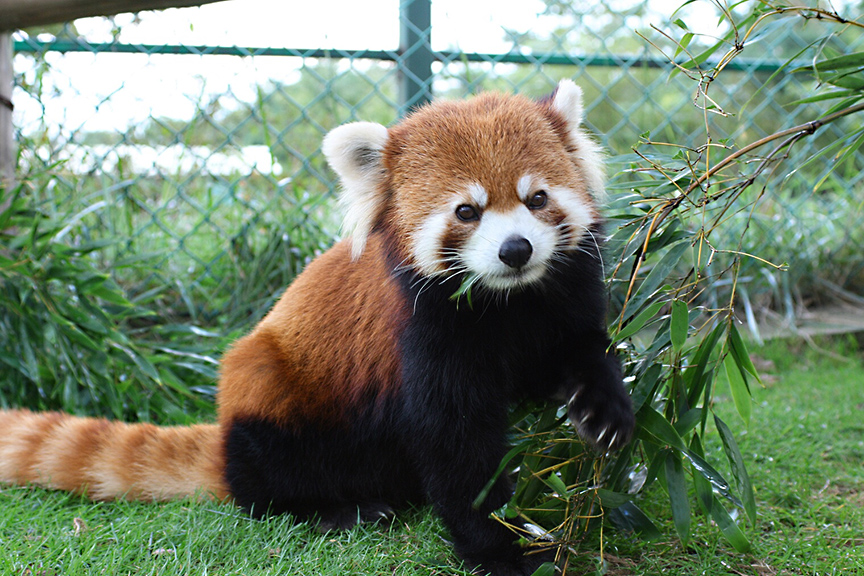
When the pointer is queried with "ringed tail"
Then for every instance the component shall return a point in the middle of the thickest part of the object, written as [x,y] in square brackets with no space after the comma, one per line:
[103,459]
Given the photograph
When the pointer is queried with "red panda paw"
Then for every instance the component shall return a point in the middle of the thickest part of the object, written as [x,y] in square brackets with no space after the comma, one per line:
[346,517]
[606,424]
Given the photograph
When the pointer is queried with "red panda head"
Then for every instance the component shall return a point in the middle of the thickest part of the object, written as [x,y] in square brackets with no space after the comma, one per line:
[494,187]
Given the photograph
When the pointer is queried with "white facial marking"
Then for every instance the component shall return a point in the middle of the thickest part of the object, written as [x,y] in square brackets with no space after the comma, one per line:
[478,195]
[480,253]
[528,184]
[427,244]
[577,214]
[427,240]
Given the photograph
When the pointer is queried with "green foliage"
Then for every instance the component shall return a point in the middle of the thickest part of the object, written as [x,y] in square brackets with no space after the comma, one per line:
[68,337]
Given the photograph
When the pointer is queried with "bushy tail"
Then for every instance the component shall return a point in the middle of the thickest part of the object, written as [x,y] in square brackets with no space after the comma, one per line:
[103,459]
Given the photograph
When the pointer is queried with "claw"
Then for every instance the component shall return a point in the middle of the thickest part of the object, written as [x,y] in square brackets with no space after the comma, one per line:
[600,436]
[584,419]
[612,440]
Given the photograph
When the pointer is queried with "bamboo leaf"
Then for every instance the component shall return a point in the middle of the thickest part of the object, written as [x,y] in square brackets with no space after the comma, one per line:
[780,70]
[645,386]
[854,60]
[719,484]
[704,494]
[657,426]
[676,487]
[554,482]
[828,96]
[610,499]
[740,353]
[739,471]
[207,371]
[696,375]
[657,276]
[545,569]
[688,420]
[679,325]
[738,387]
[729,528]
[515,451]
[628,516]
[142,363]
[638,322]
[109,292]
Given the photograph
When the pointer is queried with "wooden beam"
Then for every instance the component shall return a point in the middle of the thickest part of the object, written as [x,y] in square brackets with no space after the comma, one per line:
[16,14]
[7,134]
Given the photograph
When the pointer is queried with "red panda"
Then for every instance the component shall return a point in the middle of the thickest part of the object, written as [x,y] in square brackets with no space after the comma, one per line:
[368,385]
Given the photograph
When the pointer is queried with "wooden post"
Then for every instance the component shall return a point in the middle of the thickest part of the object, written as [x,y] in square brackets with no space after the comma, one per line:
[7,134]
[25,13]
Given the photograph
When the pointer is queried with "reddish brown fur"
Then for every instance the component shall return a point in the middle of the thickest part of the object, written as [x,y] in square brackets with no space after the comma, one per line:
[321,347]
[104,460]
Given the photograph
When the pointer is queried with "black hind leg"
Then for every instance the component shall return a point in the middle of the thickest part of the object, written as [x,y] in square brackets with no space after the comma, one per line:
[332,476]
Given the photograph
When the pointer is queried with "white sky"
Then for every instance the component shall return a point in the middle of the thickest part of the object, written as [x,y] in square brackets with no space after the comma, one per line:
[127,89]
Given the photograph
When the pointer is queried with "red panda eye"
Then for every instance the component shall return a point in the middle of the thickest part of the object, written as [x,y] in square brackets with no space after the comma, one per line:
[538,200]
[467,213]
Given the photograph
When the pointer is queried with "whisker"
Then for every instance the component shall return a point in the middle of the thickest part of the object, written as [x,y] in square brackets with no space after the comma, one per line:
[599,253]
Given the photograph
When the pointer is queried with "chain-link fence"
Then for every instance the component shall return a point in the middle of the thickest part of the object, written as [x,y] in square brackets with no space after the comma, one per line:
[196,156]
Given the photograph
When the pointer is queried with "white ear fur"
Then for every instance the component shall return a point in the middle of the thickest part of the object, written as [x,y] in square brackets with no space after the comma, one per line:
[568,103]
[354,152]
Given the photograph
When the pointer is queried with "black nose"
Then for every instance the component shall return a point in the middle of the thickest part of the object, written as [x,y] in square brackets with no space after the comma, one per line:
[515,251]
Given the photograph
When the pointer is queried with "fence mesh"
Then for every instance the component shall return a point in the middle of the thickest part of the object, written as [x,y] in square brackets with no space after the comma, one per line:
[198,157]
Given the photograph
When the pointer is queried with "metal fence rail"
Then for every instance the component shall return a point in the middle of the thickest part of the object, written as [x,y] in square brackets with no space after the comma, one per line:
[193,192]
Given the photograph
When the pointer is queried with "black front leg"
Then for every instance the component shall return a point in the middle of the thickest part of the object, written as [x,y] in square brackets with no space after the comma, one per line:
[456,459]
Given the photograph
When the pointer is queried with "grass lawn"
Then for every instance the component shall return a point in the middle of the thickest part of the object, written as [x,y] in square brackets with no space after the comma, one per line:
[804,450]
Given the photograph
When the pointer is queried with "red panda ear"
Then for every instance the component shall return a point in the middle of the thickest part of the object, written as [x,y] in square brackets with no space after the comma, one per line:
[354,152]
[567,102]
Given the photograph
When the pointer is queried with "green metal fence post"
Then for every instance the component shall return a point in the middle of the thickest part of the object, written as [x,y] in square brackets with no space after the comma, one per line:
[7,138]
[415,49]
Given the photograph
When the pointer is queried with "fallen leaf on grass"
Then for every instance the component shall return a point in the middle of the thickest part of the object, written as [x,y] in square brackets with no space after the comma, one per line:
[78,526]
